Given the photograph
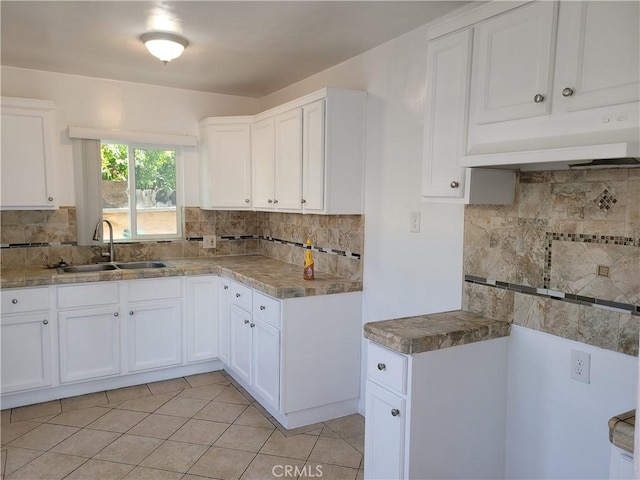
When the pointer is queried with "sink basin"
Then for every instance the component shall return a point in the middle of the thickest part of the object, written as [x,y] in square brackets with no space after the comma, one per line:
[136,265]
[96,267]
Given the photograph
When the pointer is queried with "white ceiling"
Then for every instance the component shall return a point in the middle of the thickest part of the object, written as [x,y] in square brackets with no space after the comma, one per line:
[236,47]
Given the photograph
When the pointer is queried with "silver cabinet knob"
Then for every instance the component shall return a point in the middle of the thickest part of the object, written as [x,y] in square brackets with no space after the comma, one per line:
[454,184]
[246,322]
[275,201]
[262,307]
[45,322]
[50,199]
[395,412]
[226,287]
[303,201]
[538,98]
[382,366]
[116,314]
[237,295]
[130,312]
[246,200]
[14,301]
[567,92]
[252,325]
[269,201]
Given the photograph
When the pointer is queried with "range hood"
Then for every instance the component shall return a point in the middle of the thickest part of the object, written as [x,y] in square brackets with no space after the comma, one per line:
[580,151]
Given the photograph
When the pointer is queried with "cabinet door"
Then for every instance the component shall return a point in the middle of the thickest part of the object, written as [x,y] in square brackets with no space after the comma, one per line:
[263,163]
[202,318]
[26,352]
[384,434]
[27,155]
[266,361]
[313,157]
[288,152]
[241,343]
[448,63]
[598,56]
[154,335]
[513,64]
[223,320]
[89,343]
[226,166]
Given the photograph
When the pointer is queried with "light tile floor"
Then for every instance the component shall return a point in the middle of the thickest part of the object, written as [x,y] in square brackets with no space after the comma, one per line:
[198,427]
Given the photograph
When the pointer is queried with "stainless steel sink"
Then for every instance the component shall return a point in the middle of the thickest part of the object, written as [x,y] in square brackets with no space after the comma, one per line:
[101,267]
[96,267]
[136,265]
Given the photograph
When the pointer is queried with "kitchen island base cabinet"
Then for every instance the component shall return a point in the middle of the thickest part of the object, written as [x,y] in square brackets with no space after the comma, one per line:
[307,370]
[451,421]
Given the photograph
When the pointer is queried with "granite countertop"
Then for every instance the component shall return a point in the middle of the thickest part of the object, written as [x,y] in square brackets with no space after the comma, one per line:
[621,430]
[425,333]
[273,277]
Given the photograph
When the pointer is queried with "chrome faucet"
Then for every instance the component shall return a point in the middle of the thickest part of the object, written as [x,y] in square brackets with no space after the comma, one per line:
[96,236]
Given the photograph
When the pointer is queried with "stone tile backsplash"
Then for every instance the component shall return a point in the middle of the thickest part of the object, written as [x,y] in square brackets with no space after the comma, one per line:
[564,258]
[44,237]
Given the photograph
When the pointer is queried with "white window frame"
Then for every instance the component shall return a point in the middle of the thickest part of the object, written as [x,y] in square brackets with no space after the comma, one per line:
[133,214]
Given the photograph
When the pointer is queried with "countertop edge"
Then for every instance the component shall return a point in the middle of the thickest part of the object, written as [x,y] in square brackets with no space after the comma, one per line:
[622,430]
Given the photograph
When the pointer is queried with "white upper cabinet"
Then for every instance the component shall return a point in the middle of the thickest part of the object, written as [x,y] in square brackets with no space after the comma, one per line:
[263,163]
[598,57]
[549,76]
[448,66]
[28,180]
[513,63]
[225,163]
[313,153]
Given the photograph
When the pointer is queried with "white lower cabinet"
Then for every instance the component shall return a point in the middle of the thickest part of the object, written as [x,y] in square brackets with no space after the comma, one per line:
[202,318]
[430,415]
[621,464]
[25,331]
[89,343]
[299,357]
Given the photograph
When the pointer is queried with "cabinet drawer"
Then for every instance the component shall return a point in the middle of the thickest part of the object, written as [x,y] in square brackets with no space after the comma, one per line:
[87,295]
[266,308]
[24,300]
[240,296]
[154,289]
[387,368]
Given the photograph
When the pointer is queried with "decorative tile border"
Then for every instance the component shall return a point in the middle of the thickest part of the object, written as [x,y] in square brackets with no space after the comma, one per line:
[331,251]
[555,295]
[580,238]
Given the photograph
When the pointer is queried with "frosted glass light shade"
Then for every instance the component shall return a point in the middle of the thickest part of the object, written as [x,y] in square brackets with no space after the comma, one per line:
[165,46]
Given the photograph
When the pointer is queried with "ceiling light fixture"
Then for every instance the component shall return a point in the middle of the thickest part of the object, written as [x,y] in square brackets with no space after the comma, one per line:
[164,45]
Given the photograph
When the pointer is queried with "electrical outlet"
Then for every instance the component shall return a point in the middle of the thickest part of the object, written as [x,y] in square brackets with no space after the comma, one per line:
[209,241]
[580,366]
[415,222]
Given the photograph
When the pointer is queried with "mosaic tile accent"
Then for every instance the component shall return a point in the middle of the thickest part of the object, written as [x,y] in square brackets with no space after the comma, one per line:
[605,200]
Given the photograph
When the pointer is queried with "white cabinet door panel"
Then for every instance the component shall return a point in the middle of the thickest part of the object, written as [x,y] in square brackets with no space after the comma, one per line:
[384,434]
[266,361]
[598,54]
[263,163]
[89,342]
[224,311]
[513,63]
[313,157]
[202,318]
[26,352]
[288,151]
[240,354]
[154,335]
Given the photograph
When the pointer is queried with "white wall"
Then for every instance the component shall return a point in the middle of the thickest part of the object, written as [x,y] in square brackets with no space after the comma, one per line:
[115,105]
[556,426]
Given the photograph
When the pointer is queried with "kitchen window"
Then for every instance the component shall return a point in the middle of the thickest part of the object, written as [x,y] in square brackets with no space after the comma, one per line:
[141,194]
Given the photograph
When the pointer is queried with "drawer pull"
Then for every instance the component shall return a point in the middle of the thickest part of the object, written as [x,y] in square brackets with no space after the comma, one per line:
[246,322]
[567,92]
[226,287]
[395,412]
[130,312]
[382,366]
[454,184]
[237,295]
[252,325]
[14,301]
[116,314]
[538,98]
[262,307]
[45,322]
